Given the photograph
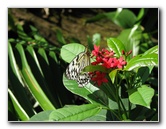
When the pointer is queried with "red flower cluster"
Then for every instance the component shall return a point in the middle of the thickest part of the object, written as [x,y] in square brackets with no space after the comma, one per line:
[105,58]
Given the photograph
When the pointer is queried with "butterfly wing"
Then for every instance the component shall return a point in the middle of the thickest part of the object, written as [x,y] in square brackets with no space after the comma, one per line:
[83,79]
[74,70]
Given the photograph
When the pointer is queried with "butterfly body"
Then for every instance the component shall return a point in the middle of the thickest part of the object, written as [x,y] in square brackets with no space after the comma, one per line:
[75,69]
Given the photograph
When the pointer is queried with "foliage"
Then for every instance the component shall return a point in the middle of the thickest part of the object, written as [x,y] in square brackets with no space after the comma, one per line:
[129,81]
[39,91]
[35,71]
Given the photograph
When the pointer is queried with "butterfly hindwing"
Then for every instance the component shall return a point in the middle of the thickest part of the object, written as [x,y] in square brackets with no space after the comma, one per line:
[83,79]
[74,70]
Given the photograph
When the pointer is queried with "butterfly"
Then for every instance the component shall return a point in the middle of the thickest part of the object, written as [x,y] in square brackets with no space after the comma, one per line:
[75,69]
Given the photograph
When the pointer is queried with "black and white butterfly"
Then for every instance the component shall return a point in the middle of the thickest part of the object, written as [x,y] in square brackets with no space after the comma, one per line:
[75,69]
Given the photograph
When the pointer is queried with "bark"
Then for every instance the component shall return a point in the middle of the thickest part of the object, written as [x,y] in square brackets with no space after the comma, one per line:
[71,26]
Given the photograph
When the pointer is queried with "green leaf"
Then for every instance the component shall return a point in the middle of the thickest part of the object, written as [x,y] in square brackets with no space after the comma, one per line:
[89,92]
[42,116]
[131,39]
[143,96]
[39,38]
[143,73]
[142,61]
[60,37]
[141,14]
[33,29]
[20,111]
[16,82]
[31,81]
[114,105]
[75,113]
[22,34]
[96,39]
[124,18]
[116,45]
[101,116]
[69,51]
[152,50]
[92,68]
[39,65]
[112,75]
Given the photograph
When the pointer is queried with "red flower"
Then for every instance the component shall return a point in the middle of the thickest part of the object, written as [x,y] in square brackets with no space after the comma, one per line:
[106,59]
[95,52]
[110,63]
[121,62]
[106,53]
[99,78]
[98,60]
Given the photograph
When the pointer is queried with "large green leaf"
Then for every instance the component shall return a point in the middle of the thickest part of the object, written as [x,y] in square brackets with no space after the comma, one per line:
[69,51]
[75,113]
[39,65]
[31,81]
[143,96]
[116,45]
[107,115]
[101,116]
[42,116]
[131,38]
[89,92]
[142,61]
[152,50]
[124,18]
[16,83]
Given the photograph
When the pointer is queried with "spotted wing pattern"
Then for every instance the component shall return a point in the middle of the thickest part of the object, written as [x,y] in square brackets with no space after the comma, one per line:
[74,70]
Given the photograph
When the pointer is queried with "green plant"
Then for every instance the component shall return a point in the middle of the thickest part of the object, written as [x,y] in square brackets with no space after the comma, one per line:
[35,76]
[125,91]
[39,91]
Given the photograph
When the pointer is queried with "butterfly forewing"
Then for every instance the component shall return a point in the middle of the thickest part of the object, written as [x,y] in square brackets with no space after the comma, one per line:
[74,70]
